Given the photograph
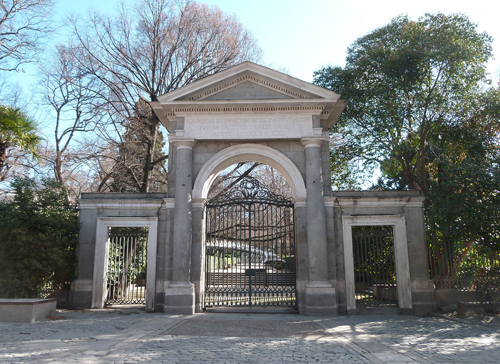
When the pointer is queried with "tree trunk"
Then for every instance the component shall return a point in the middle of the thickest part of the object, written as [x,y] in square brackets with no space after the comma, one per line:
[58,169]
[3,154]
[148,166]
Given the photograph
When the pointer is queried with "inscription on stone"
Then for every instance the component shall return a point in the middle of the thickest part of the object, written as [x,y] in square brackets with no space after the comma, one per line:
[248,127]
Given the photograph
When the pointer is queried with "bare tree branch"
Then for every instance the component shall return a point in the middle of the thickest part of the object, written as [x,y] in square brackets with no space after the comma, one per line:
[154,48]
[23,24]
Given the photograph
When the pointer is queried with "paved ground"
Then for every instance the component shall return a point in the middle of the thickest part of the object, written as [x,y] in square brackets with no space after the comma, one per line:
[133,336]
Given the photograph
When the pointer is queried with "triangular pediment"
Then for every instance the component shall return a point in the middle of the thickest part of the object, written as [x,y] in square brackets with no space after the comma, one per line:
[248,90]
[248,81]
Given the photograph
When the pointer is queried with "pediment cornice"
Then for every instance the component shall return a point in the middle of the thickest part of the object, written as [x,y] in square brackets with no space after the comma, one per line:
[248,71]
[253,78]
[221,93]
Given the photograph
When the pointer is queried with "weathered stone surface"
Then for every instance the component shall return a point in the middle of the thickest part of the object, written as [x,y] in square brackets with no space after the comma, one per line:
[26,310]
[250,113]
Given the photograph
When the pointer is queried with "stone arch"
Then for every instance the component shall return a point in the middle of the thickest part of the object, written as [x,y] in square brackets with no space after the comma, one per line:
[249,153]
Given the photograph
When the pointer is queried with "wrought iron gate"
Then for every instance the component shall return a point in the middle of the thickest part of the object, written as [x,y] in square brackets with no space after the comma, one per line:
[126,276]
[250,248]
[374,267]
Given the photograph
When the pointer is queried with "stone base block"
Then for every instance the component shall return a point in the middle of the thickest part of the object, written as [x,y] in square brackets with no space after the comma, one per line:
[179,299]
[423,308]
[80,295]
[424,300]
[26,310]
[320,299]
[446,297]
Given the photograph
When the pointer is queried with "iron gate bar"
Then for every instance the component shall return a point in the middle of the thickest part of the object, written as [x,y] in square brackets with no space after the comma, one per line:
[252,228]
[374,266]
[250,253]
[127,266]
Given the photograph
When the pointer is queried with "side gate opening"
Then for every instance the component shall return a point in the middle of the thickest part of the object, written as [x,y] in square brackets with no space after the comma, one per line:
[125,261]
[374,266]
[127,266]
[250,248]
[377,269]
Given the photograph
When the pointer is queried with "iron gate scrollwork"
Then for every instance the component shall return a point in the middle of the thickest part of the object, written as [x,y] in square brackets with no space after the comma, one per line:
[250,248]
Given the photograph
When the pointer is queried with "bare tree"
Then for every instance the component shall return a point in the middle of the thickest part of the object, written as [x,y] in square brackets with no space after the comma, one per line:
[267,175]
[23,24]
[155,47]
[17,163]
[121,160]
[74,108]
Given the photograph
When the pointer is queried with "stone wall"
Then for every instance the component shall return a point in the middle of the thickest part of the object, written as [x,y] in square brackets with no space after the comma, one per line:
[408,204]
[118,205]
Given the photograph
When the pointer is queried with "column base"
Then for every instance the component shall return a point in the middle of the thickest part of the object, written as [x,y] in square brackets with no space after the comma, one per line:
[320,299]
[425,298]
[80,295]
[179,299]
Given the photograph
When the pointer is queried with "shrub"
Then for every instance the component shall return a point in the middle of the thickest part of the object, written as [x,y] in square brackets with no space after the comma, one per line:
[38,236]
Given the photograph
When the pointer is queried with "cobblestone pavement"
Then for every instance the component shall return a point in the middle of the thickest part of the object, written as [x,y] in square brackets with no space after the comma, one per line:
[133,336]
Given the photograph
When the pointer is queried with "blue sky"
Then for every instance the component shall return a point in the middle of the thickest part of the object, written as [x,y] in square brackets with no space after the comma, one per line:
[304,35]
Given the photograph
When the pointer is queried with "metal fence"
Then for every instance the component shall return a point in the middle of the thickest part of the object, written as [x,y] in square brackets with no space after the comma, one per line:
[374,267]
[250,248]
[126,276]
[467,268]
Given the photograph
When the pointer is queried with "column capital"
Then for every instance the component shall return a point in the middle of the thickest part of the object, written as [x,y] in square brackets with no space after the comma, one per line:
[182,143]
[309,142]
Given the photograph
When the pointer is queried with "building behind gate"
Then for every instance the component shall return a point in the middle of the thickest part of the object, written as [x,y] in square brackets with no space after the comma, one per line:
[250,113]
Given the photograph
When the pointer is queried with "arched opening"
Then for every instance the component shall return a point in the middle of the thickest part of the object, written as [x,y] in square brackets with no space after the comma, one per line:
[249,153]
[250,239]
[265,174]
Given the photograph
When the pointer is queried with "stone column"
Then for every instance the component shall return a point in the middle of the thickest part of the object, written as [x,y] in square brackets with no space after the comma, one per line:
[80,295]
[179,296]
[425,298]
[320,294]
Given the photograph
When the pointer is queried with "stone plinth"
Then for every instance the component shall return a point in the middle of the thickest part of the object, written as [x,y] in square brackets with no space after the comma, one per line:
[26,310]
[179,299]
[320,299]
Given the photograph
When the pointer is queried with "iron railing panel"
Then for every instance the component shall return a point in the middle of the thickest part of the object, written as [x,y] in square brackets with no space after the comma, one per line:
[250,248]
[467,267]
[126,275]
[374,266]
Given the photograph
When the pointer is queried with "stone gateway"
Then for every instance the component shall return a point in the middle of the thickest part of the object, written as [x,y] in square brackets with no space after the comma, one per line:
[250,113]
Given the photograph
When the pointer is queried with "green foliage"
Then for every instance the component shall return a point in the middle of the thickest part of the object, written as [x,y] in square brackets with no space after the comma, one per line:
[373,252]
[464,178]
[420,109]
[16,130]
[403,83]
[127,254]
[39,234]
[289,263]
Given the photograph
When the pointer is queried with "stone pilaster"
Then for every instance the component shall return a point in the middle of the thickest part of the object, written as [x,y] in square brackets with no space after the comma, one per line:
[179,295]
[320,294]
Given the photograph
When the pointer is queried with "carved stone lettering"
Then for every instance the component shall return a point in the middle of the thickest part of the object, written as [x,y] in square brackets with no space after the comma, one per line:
[248,126]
